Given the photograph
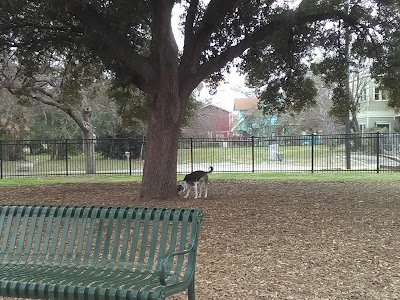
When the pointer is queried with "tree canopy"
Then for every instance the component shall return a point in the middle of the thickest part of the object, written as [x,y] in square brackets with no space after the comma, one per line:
[274,42]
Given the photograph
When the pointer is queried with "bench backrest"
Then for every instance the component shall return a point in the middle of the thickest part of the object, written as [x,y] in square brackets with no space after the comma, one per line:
[133,238]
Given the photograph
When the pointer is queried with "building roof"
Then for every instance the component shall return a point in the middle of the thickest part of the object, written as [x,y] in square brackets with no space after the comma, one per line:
[245,103]
[215,107]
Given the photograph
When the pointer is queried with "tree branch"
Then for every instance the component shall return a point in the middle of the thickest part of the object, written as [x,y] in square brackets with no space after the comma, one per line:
[283,20]
[31,92]
[190,17]
[164,50]
[40,27]
[189,33]
[216,11]
[44,92]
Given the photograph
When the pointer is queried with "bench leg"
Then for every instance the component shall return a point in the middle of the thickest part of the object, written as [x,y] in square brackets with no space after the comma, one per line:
[191,290]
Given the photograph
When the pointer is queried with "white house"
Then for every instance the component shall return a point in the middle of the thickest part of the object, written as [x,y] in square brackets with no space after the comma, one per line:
[373,111]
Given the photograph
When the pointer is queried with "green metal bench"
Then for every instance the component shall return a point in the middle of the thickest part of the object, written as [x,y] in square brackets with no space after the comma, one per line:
[77,252]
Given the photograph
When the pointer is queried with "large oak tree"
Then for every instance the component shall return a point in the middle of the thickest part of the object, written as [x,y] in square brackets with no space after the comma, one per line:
[134,40]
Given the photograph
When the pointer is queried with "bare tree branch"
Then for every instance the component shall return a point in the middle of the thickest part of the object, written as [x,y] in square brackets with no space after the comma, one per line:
[48,99]
[216,11]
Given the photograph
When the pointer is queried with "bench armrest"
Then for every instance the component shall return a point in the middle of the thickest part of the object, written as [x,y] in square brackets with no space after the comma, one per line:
[163,271]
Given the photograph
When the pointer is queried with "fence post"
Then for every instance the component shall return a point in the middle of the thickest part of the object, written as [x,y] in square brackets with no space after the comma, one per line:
[312,152]
[1,159]
[252,153]
[130,156]
[191,154]
[66,157]
[377,152]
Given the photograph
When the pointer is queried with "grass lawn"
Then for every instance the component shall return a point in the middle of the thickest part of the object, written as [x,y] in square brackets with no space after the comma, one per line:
[318,176]
[76,162]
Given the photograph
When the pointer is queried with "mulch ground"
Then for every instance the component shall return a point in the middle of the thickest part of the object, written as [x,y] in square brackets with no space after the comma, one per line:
[275,239]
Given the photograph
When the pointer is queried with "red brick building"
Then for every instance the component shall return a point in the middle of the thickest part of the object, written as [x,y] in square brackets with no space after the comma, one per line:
[209,121]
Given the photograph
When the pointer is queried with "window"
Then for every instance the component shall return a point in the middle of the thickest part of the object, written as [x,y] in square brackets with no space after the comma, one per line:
[380,95]
[364,95]
[384,127]
[377,92]
[362,127]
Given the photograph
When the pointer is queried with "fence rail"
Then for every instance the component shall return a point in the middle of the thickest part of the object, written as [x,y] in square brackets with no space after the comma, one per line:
[373,152]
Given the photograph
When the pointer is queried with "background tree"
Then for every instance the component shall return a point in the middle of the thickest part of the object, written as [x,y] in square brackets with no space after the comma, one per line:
[316,118]
[14,118]
[134,40]
[386,70]
[50,123]
[14,124]
[359,82]
[60,82]
[345,52]
[80,92]
[259,124]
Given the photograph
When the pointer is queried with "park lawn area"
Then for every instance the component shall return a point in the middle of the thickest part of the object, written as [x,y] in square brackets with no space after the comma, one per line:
[75,163]
[302,176]
[273,238]
[245,154]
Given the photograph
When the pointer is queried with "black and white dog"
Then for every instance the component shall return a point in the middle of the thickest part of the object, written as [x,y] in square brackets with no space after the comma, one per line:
[198,180]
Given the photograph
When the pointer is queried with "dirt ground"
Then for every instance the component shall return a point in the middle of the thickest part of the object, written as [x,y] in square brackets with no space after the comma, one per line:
[275,239]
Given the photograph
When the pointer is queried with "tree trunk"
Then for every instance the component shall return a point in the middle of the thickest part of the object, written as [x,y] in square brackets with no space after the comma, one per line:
[88,134]
[160,166]
[89,150]
[166,104]
[159,176]
[354,122]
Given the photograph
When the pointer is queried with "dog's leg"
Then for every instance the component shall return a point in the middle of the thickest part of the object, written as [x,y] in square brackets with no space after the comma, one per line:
[195,190]
[201,188]
[206,190]
[188,191]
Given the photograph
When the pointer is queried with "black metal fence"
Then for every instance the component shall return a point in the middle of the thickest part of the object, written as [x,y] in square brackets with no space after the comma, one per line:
[373,152]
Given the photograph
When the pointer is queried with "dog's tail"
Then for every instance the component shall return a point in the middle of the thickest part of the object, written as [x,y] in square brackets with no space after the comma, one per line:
[211,169]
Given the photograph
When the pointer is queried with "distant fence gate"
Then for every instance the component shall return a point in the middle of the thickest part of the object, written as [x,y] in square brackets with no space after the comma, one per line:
[372,152]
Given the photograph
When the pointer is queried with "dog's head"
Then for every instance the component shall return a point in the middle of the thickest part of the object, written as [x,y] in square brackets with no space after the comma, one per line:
[182,186]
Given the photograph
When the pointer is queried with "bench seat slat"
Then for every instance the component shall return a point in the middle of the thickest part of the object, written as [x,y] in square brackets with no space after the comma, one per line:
[25,280]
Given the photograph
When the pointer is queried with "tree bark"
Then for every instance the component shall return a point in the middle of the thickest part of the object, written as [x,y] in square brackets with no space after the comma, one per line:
[159,174]
[166,105]
[88,134]
[166,110]
[89,150]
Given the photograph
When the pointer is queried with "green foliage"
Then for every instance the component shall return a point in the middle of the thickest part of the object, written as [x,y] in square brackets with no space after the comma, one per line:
[43,31]
[131,106]
[117,148]
[277,68]
[387,70]
[341,102]
[278,65]
[348,44]
[50,123]
[76,36]
[192,107]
